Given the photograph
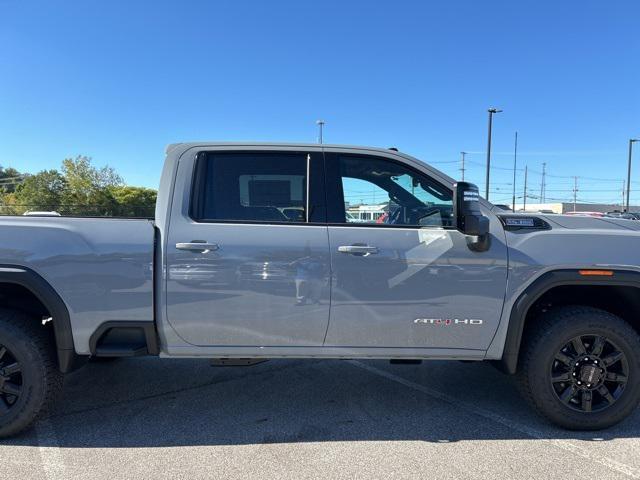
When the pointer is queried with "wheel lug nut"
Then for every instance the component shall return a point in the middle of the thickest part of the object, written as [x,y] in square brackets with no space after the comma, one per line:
[579,382]
[586,359]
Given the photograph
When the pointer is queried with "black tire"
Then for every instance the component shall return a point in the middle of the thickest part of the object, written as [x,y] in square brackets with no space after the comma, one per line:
[28,371]
[555,370]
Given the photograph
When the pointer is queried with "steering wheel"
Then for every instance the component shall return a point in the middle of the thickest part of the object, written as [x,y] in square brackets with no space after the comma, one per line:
[414,219]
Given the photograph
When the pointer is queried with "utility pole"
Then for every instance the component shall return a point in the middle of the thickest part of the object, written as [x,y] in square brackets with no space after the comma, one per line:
[320,124]
[462,168]
[524,205]
[631,142]
[515,163]
[491,112]
[575,192]
[543,182]
[623,193]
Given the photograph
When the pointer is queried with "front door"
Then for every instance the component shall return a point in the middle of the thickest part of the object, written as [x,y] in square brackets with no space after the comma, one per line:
[247,253]
[403,276]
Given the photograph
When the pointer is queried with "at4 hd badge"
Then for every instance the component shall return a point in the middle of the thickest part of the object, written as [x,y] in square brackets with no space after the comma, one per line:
[445,322]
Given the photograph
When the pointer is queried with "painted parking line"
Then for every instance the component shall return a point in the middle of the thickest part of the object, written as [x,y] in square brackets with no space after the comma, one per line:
[49,450]
[527,430]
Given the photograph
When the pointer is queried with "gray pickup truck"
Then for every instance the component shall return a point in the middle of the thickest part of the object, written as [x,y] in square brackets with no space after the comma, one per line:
[264,251]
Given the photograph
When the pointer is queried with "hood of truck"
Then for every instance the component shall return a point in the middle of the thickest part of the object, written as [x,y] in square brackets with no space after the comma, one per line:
[590,223]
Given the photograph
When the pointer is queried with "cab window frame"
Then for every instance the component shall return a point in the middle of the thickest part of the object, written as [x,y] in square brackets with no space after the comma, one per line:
[336,211]
[314,188]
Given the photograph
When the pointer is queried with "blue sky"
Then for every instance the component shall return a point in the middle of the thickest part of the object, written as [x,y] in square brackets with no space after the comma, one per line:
[119,80]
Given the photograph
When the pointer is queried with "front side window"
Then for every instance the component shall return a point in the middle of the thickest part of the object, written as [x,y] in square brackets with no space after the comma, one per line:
[257,187]
[383,192]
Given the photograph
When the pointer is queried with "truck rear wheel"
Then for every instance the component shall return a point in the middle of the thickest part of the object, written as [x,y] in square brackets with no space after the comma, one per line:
[29,377]
[580,367]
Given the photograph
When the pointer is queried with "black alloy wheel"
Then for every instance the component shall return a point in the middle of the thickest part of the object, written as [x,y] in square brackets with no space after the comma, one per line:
[10,380]
[579,367]
[589,373]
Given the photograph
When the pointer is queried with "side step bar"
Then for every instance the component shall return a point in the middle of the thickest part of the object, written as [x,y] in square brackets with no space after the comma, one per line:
[401,361]
[236,362]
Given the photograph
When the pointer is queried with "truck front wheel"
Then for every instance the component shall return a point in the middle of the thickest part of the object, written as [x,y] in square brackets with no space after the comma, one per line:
[29,377]
[580,367]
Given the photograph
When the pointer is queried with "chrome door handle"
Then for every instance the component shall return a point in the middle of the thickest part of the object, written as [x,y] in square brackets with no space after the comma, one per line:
[197,246]
[358,249]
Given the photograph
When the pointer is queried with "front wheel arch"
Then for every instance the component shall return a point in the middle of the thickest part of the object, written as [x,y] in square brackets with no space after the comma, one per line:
[521,312]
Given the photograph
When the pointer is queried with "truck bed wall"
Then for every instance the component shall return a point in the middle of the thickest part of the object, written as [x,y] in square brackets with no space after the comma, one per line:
[102,268]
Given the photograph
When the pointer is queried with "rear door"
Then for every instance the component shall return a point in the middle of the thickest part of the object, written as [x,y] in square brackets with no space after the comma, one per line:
[403,276]
[247,253]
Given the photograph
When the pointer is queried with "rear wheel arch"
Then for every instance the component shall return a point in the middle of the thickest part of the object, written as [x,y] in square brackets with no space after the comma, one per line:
[44,293]
[569,280]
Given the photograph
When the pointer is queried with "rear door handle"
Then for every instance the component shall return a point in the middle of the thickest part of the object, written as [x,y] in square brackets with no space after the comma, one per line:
[197,246]
[358,249]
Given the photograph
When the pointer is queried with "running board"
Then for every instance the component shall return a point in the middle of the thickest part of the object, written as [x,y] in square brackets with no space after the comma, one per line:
[400,361]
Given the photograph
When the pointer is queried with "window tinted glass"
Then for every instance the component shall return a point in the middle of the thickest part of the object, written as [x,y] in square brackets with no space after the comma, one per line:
[378,191]
[250,187]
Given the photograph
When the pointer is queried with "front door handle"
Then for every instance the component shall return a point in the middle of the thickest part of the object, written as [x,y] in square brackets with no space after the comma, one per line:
[362,250]
[197,246]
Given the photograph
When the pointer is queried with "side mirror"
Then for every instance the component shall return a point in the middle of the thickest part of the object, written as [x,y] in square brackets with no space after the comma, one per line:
[468,217]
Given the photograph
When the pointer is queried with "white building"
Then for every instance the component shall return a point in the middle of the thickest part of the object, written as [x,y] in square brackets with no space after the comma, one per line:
[368,213]
[566,207]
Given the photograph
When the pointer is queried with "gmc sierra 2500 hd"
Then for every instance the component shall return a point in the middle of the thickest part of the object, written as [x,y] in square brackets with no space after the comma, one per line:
[315,251]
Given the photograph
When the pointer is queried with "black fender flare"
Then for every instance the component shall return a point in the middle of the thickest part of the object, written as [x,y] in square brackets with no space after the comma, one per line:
[539,287]
[68,360]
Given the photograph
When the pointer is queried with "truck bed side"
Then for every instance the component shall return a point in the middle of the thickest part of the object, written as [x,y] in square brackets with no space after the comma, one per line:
[101,268]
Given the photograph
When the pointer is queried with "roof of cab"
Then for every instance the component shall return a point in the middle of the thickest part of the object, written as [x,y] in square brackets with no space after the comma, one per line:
[178,148]
[187,145]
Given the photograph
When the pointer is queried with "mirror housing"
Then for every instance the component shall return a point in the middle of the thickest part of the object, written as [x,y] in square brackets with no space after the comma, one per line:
[468,216]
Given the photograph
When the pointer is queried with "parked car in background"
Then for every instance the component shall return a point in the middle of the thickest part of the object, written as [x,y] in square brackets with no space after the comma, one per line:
[41,214]
[623,215]
[586,214]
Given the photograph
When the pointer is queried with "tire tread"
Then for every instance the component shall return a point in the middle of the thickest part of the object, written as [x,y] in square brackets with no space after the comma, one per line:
[43,349]
[545,326]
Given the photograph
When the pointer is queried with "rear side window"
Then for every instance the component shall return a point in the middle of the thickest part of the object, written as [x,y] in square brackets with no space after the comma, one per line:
[253,187]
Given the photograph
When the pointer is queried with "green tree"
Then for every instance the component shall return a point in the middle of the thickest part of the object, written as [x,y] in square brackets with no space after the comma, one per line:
[134,201]
[79,189]
[8,203]
[88,190]
[9,178]
[42,191]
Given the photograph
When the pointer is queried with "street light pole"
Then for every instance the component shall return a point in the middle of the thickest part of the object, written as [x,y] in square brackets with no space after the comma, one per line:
[524,196]
[631,142]
[462,168]
[320,124]
[515,163]
[491,112]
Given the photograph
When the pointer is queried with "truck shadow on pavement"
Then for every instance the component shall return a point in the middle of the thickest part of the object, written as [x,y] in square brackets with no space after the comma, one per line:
[152,402]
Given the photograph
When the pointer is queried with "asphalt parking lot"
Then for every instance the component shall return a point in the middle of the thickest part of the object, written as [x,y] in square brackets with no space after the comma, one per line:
[155,418]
